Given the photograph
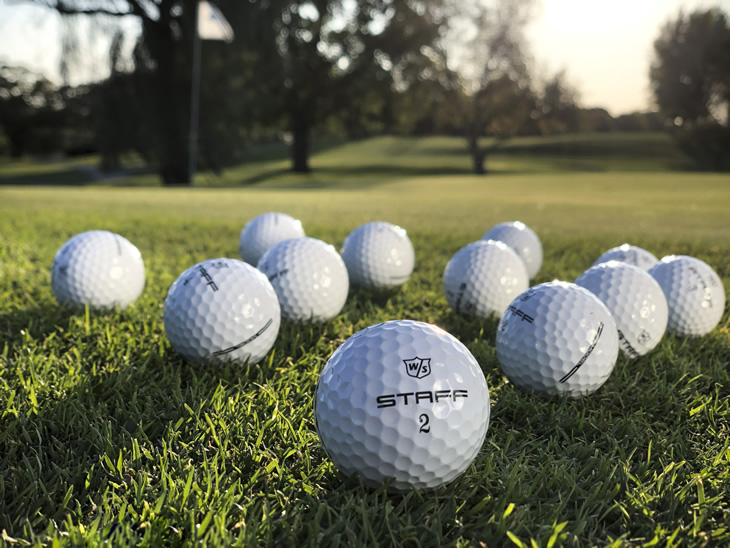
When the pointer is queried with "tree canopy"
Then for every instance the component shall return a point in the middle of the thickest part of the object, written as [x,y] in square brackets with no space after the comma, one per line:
[690,77]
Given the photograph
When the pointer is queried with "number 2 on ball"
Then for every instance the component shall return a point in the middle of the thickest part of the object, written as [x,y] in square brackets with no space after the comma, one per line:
[423,419]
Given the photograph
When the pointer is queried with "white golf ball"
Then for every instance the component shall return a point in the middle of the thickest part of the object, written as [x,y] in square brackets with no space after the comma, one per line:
[557,338]
[483,277]
[629,254]
[222,310]
[522,240]
[265,231]
[635,301]
[309,278]
[694,292]
[98,268]
[402,401]
[378,254]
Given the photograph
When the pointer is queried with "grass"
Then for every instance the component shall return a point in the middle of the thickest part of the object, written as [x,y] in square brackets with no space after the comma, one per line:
[108,437]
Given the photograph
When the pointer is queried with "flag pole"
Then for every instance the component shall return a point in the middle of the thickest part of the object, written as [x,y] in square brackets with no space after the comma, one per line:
[194,101]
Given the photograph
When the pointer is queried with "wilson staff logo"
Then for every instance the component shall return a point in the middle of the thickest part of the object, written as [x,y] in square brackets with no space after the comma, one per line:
[418,367]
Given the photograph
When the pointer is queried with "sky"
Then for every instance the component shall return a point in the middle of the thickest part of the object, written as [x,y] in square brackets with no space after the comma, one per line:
[604,47]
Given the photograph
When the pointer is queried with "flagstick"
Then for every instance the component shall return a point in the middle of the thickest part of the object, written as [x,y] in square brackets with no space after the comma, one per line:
[194,102]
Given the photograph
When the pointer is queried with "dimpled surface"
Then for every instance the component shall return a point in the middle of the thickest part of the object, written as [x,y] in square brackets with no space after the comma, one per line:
[557,338]
[378,254]
[98,268]
[629,254]
[417,443]
[309,278]
[265,231]
[483,277]
[220,310]
[635,301]
[522,240]
[694,293]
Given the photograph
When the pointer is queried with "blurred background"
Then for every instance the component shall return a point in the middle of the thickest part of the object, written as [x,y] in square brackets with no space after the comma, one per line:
[108,86]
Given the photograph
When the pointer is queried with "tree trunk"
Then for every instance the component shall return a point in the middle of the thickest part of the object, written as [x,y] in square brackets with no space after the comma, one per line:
[300,146]
[175,174]
[169,101]
[478,156]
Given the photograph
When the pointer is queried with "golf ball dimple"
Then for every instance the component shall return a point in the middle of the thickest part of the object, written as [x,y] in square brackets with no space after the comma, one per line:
[522,239]
[629,254]
[222,310]
[695,294]
[97,268]
[483,277]
[557,338]
[265,231]
[402,402]
[309,277]
[378,255]
[635,300]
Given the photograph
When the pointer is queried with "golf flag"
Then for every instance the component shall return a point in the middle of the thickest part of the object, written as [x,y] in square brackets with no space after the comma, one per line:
[211,23]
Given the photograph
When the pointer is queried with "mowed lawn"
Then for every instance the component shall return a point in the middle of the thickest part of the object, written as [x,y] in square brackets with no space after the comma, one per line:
[107,436]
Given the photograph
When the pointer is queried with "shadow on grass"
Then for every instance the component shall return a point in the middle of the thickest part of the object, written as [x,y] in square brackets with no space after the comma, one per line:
[34,322]
[342,176]
[369,302]
[60,177]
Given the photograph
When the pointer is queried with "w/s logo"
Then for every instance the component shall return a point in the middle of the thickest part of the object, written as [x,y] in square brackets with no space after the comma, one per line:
[418,367]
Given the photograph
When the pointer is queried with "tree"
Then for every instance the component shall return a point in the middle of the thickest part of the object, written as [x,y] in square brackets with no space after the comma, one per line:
[557,109]
[690,77]
[338,57]
[295,64]
[486,72]
[31,114]
[163,60]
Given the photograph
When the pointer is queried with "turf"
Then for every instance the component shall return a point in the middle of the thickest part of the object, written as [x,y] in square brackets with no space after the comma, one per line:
[108,437]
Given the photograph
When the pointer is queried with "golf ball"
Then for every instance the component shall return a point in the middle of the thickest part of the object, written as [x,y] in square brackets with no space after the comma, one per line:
[98,268]
[635,300]
[522,239]
[309,278]
[557,338]
[694,293]
[379,255]
[629,254]
[402,401]
[483,277]
[222,310]
[265,231]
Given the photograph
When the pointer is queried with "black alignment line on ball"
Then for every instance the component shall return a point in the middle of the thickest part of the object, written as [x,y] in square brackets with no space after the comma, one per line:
[585,356]
[244,343]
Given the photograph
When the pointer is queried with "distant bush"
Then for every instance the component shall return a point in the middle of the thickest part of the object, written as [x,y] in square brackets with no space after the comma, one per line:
[640,121]
[708,145]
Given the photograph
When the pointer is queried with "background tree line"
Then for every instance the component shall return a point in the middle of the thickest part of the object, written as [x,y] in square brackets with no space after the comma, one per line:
[299,69]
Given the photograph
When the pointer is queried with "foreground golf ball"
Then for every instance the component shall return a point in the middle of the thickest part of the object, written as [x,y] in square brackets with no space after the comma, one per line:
[522,240]
[483,278]
[557,338]
[694,293]
[629,254]
[265,231]
[98,268]
[309,278]
[635,301]
[402,401]
[378,254]
[222,310]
